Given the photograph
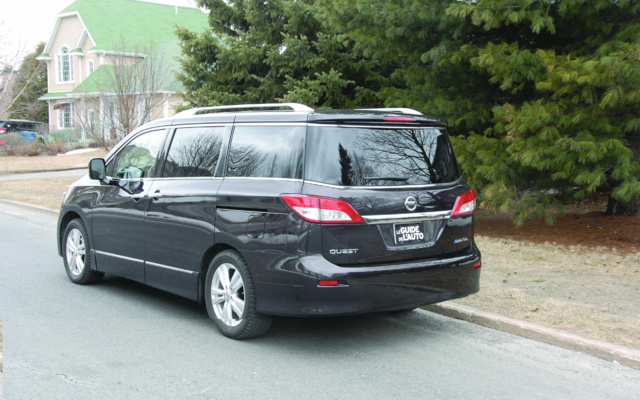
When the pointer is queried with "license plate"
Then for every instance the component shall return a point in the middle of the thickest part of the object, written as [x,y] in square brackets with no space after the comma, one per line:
[409,233]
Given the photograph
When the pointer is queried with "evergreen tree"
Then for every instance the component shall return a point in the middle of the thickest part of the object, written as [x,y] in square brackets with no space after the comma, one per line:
[542,95]
[416,47]
[275,51]
[575,131]
[30,84]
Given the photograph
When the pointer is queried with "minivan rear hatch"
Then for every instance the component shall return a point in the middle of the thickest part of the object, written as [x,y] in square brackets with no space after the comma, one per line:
[399,174]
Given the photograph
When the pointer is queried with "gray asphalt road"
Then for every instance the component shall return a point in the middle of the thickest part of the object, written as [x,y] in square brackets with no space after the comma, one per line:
[121,340]
[48,174]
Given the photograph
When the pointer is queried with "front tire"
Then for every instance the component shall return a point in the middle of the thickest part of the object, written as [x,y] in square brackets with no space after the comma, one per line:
[230,298]
[77,254]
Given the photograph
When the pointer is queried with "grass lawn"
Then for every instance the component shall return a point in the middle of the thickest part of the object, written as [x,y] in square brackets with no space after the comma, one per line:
[21,164]
[40,192]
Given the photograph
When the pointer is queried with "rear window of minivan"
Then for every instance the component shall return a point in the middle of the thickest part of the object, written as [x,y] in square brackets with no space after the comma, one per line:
[266,152]
[367,156]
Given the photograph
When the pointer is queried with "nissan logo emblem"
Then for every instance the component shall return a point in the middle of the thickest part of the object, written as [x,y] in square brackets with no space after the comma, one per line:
[411,203]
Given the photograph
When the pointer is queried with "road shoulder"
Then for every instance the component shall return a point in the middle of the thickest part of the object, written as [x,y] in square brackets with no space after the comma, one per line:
[606,351]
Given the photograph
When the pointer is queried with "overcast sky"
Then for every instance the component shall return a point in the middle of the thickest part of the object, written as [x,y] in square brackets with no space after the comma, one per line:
[25,23]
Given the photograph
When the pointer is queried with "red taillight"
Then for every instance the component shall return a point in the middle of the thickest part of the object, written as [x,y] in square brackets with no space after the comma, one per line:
[327,283]
[465,203]
[477,265]
[398,119]
[322,209]
[3,130]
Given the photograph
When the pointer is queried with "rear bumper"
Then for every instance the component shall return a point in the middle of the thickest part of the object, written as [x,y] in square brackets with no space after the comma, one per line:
[369,289]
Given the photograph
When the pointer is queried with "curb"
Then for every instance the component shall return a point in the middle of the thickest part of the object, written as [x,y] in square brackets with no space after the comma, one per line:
[27,205]
[43,171]
[603,350]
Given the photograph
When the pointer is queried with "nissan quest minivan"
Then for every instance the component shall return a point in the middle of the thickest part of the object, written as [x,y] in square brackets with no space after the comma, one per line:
[278,210]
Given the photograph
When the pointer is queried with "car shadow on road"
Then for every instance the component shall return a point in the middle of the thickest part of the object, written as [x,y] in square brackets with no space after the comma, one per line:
[368,332]
[288,333]
[154,300]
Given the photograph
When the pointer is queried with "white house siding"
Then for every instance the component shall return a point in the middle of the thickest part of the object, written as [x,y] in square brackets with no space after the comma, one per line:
[86,46]
[175,100]
[53,116]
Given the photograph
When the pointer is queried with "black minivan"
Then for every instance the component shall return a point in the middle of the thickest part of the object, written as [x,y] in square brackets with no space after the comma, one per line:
[278,209]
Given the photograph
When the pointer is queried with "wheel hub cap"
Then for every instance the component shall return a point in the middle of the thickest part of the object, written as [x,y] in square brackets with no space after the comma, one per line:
[75,252]
[227,294]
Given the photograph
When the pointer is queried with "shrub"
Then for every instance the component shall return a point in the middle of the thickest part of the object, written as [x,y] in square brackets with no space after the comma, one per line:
[14,143]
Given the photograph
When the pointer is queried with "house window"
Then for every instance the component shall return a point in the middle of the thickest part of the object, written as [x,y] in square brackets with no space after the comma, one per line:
[92,120]
[65,65]
[65,115]
[89,67]
[144,111]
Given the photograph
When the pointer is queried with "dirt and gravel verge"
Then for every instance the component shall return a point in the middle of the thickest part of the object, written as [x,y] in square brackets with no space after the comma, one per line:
[24,164]
[40,192]
[594,293]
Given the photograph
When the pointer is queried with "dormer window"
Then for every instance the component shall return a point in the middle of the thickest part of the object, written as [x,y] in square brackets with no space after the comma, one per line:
[65,65]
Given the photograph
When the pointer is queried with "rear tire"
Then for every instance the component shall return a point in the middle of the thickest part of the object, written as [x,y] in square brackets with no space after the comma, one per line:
[77,254]
[230,298]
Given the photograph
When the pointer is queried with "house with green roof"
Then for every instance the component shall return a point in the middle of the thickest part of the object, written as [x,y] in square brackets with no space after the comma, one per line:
[95,43]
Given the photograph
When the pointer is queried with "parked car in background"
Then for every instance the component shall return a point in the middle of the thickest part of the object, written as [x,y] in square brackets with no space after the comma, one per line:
[261,210]
[29,130]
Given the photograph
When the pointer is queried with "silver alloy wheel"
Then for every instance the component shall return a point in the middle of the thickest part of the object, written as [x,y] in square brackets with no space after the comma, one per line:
[76,252]
[227,294]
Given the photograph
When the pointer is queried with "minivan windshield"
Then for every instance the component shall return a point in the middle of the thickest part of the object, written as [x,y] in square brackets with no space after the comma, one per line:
[384,156]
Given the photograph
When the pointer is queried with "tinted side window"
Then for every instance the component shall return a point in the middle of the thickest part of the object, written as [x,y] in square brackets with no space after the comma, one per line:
[354,156]
[267,151]
[42,128]
[194,152]
[138,158]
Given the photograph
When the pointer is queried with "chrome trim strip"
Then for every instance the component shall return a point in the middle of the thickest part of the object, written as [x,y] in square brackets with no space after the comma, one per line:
[104,253]
[400,110]
[395,187]
[216,124]
[407,218]
[172,268]
[295,123]
[253,178]
[297,107]
[346,125]
[199,178]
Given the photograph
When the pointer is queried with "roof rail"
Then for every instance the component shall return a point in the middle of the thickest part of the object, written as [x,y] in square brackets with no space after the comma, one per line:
[402,110]
[202,110]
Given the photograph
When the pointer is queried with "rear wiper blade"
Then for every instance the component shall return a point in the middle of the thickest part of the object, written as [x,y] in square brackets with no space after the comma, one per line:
[387,178]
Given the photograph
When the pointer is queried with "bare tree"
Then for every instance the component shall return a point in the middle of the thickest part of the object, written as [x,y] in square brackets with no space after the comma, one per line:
[135,78]
[12,88]
[128,87]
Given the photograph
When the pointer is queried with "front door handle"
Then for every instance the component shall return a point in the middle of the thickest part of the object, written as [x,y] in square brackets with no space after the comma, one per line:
[138,196]
[156,195]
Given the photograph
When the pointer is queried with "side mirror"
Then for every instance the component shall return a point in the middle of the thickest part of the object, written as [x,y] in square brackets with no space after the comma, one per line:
[97,169]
